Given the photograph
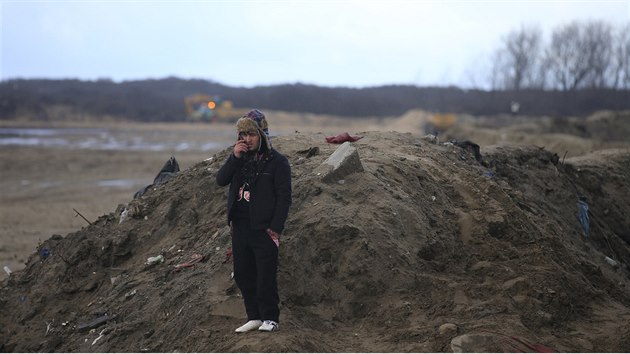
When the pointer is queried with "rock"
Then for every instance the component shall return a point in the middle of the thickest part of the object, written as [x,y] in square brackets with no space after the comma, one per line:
[131,294]
[484,342]
[448,329]
[341,163]
[474,343]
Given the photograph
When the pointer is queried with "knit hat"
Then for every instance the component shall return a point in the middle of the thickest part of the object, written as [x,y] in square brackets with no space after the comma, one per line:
[255,120]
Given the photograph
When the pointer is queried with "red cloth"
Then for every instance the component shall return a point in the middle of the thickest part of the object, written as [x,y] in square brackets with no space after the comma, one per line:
[342,138]
[196,257]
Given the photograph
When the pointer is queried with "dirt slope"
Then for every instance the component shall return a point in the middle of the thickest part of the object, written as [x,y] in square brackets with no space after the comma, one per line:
[378,262]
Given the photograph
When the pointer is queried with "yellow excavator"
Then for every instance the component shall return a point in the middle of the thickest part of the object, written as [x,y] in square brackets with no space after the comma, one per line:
[205,108]
[440,122]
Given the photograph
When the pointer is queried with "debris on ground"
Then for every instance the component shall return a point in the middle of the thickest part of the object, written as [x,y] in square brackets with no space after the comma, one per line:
[419,252]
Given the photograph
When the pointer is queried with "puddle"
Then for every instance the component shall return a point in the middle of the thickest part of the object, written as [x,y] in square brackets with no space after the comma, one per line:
[119,183]
[104,139]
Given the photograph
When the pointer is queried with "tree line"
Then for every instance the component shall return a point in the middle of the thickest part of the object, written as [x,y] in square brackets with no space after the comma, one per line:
[163,99]
[579,55]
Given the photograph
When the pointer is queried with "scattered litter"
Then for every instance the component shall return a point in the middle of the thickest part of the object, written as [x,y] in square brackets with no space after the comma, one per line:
[341,181]
[7,270]
[83,327]
[65,323]
[168,171]
[611,261]
[218,248]
[155,260]
[44,253]
[123,216]
[146,218]
[209,159]
[470,147]
[433,198]
[431,138]
[100,335]
[196,257]
[232,275]
[48,328]
[131,294]
[342,138]
[489,174]
[583,215]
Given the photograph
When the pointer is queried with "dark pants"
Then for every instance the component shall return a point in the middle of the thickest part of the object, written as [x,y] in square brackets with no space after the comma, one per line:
[255,271]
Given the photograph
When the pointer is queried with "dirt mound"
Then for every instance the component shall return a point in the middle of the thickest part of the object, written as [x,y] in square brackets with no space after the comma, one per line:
[423,246]
[573,136]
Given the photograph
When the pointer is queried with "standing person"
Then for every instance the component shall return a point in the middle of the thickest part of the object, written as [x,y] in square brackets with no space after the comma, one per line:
[257,208]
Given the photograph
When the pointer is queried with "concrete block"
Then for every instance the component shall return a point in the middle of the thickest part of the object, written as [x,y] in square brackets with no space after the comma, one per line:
[341,163]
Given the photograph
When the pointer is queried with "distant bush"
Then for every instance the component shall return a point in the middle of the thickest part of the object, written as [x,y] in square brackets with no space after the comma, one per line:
[163,100]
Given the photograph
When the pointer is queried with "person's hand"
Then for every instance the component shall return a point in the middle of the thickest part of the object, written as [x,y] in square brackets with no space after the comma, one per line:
[275,237]
[240,148]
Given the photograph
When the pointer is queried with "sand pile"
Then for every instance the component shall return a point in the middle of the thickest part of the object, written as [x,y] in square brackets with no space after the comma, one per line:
[425,250]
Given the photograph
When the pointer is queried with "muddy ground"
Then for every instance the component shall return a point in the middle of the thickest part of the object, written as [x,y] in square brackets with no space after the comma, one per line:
[425,250]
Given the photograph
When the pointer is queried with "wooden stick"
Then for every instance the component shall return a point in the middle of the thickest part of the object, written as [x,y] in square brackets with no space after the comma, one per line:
[565,155]
[79,214]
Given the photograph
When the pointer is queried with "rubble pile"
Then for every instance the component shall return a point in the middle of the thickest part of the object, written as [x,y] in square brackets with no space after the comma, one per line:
[395,243]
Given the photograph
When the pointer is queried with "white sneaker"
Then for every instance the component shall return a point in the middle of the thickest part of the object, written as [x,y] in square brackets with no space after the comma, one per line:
[269,326]
[249,326]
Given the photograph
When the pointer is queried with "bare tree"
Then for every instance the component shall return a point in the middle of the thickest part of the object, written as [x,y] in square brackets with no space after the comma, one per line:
[598,48]
[621,58]
[497,70]
[520,57]
[581,55]
[566,64]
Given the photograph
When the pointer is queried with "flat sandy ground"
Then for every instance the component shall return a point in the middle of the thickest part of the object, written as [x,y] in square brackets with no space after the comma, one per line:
[42,185]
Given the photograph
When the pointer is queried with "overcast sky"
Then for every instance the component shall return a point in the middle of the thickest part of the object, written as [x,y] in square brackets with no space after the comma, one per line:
[249,43]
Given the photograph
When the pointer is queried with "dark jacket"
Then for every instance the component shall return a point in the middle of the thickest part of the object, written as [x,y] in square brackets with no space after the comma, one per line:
[270,195]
